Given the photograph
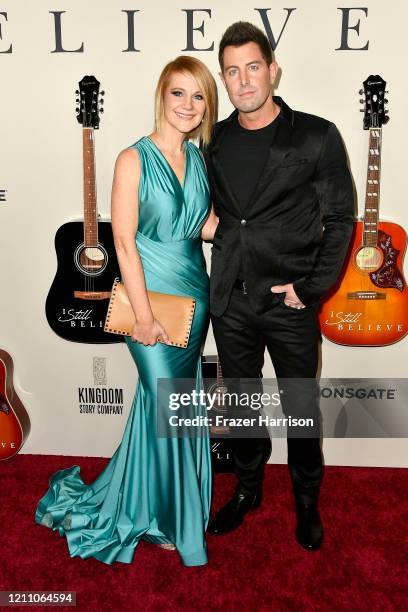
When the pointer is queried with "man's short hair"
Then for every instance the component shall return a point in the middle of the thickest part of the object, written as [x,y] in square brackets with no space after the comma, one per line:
[240,33]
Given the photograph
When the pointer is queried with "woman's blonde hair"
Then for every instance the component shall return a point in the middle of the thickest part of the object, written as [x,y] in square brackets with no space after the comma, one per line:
[199,71]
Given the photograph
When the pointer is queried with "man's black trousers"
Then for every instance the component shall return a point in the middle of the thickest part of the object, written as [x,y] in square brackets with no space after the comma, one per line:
[292,339]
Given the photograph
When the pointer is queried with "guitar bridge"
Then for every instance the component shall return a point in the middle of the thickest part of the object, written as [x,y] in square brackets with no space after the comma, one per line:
[92,295]
[366,295]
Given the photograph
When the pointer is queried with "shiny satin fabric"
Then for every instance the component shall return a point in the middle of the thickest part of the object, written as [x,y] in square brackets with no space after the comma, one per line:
[153,488]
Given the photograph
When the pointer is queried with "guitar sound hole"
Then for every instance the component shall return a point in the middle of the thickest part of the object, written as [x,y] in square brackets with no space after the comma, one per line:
[91,260]
[368,259]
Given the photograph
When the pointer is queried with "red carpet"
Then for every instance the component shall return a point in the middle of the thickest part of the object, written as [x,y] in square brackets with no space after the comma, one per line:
[361,566]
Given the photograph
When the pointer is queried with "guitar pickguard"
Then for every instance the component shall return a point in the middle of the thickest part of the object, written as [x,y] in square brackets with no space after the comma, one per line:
[388,275]
[3,404]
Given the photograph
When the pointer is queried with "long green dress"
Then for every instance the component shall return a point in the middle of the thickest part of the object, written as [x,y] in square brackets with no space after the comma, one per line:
[154,488]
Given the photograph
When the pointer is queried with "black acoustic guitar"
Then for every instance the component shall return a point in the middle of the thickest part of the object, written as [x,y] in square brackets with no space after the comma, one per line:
[78,299]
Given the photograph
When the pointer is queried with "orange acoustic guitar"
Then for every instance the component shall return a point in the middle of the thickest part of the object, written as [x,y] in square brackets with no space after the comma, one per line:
[369,304]
[14,420]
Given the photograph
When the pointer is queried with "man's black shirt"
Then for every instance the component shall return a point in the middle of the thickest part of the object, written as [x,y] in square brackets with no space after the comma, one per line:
[243,156]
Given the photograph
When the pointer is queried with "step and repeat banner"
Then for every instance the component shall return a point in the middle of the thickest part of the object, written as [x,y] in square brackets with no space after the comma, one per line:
[62,378]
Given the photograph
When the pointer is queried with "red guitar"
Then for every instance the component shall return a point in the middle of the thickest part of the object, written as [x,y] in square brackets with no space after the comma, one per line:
[14,420]
[369,305]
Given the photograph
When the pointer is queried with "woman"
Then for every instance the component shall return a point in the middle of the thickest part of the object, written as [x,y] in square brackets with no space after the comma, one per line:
[154,488]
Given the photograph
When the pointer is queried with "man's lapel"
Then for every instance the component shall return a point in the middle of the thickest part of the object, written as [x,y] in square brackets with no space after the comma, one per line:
[230,201]
[279,148]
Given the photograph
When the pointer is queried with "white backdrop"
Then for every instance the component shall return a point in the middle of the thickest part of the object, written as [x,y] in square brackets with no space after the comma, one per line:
[41,173]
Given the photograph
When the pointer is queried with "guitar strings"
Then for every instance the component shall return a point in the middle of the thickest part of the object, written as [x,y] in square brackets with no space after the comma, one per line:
[95,200]
[373,173]
[84,171]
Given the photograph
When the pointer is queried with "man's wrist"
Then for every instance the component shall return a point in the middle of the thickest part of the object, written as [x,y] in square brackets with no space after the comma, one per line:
[300,287]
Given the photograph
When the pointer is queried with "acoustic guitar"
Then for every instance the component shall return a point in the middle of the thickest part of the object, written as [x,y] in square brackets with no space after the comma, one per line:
[369,304]
[14,420]
[78,299]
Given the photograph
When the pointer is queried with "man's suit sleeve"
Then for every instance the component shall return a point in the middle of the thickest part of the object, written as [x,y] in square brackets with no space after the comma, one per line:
[206,152]
[335,193]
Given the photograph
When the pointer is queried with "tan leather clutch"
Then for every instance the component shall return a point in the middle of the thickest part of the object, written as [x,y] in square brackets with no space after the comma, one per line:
[175,313]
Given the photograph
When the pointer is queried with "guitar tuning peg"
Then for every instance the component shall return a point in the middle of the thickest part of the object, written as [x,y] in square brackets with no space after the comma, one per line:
[386,112]
[362,101]
[361,110]
[386,119]
[102,93]
[386,91]
[101,110]
[385,101]
[101,101]
[361,92]
[77,91]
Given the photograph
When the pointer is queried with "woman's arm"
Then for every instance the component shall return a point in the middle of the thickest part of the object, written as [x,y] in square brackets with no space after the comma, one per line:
[210,225]
[125,214]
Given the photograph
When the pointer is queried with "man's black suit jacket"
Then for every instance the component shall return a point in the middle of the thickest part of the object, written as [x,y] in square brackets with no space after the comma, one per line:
[305,186]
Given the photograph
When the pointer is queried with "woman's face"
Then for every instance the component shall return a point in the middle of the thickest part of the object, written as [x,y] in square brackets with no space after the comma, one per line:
[183,101]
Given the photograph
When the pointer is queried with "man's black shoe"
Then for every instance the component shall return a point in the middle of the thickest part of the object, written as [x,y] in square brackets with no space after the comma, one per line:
[309,530]
[232,514]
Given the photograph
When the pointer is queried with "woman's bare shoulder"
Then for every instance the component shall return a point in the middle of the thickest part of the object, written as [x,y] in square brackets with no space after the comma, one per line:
[128,161]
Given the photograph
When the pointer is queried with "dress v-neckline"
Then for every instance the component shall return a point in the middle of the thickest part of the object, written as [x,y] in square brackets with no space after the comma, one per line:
[181,184]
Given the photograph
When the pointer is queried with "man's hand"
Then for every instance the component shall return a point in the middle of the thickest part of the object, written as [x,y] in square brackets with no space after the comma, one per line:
[290,299]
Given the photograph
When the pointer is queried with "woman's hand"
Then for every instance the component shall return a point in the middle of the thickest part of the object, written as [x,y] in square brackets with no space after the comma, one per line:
[210,225]
[149,332]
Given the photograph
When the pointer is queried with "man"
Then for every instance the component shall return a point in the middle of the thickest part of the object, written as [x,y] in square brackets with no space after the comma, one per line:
[283,194]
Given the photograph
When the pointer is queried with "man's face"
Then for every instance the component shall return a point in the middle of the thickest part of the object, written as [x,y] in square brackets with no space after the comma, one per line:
[247,77]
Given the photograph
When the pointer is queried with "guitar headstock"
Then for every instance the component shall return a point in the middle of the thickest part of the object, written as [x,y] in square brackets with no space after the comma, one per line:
[375,113]
[89,102]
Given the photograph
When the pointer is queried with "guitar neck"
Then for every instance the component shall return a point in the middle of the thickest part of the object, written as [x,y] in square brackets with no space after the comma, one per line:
[372,200]
[220,378]
[90,209]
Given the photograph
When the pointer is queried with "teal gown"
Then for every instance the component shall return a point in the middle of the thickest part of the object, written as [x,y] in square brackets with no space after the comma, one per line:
[153,488]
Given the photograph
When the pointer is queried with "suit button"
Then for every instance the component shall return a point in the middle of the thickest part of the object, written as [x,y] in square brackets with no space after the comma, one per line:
[243,221]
